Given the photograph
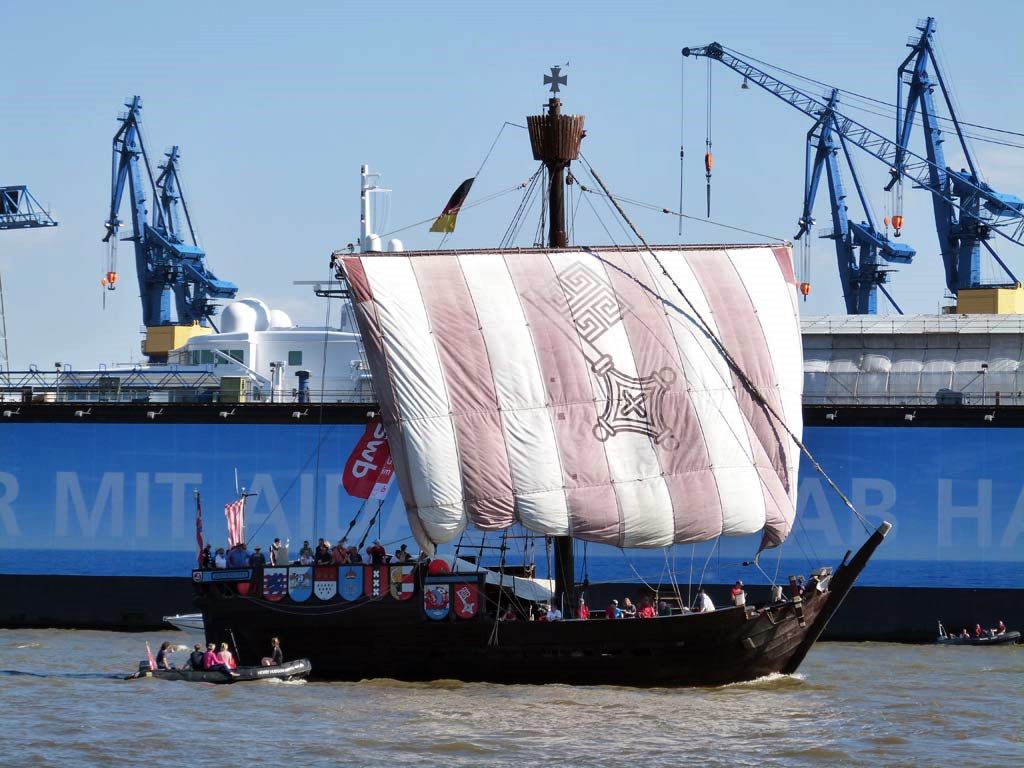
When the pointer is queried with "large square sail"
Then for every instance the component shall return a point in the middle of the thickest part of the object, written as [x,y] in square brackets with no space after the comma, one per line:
[584,392]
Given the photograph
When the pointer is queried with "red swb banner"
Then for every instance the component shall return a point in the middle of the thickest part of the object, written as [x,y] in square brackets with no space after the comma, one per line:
[368,471]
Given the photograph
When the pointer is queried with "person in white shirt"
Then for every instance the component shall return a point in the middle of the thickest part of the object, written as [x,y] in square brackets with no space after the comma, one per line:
[219,561]
[554,614]
[703,603]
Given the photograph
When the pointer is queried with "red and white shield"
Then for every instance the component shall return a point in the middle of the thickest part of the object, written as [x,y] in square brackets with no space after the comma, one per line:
[467,600]
[325,581]
[403,582]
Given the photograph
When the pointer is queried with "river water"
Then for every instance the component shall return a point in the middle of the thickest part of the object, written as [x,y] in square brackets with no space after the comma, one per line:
[63,703]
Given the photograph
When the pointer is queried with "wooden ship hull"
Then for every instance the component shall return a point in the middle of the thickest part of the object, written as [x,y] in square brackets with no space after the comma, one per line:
[390,638]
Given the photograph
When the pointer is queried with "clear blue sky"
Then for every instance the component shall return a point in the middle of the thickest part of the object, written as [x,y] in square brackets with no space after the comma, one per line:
[276,105]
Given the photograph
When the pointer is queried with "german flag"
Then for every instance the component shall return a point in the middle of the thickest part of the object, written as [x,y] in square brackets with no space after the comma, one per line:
[446,221]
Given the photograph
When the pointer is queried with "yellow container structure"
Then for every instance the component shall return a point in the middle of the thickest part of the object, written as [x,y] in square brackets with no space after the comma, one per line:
[161,339]
[991,301]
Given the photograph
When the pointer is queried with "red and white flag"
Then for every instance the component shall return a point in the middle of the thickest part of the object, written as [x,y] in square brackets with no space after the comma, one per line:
[234,512]
[369,469]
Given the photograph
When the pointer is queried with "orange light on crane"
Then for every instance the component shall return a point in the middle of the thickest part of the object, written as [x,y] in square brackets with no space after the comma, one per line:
[805,289]
[109,281]
[709,163]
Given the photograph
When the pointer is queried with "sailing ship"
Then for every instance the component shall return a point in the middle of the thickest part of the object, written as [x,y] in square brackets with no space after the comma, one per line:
[635,396]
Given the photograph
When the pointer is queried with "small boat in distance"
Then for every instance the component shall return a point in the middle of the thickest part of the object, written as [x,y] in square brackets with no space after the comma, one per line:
[290,670]
[988,637]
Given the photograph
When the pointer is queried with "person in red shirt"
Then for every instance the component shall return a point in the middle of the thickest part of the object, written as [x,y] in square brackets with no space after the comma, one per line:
[739,597]
[977,630]
[583,612]
[646,610]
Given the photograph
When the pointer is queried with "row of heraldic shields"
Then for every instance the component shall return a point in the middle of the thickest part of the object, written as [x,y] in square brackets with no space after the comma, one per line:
[457,594]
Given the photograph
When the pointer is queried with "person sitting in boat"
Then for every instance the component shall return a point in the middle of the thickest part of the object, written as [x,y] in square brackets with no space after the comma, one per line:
[196,658]
[613,611]
[402,554]
[628,609]
[646,609]
[257,559]
[306,554]
[977,630]
[276,657]
[965,634]
[1000,628]
[703,602]
[354,556]
[664,609]
[206,558]
[162,662]
[376,552]
[225,656]
[219,560]
[554,613]
[509,614]
[739,597]
[212,661]
[583,612]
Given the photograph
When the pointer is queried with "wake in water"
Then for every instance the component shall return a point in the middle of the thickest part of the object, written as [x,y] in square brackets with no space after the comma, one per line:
[62,675]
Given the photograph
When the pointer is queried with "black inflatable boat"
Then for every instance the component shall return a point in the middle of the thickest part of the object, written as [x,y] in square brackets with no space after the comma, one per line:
[291,670]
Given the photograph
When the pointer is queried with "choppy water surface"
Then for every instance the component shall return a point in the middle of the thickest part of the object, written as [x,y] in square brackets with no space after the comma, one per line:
[62,702]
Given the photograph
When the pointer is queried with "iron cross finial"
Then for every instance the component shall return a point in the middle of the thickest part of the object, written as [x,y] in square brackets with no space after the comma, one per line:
[555,79]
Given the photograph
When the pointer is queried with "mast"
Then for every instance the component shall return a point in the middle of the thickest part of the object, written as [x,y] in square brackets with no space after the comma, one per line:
[555,139]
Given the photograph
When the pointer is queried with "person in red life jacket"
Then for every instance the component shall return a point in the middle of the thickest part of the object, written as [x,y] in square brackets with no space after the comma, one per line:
[583,612]
[739,597]
[646,610]
[612,611]
[977,630]
[1001,629]
[376,553]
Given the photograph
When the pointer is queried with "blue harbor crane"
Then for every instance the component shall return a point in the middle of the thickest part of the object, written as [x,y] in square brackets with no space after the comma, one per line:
[860,247]
[968,212]
[18,210]
[168,260]
[1001,215]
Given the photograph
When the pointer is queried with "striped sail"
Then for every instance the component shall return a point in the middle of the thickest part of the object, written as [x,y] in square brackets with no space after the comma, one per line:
[575,393]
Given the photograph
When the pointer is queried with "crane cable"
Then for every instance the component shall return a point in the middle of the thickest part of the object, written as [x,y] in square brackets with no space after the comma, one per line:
[682,127]
[708,158]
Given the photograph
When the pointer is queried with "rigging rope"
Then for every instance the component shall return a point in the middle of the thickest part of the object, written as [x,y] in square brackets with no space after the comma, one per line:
[659,209]
[730,360]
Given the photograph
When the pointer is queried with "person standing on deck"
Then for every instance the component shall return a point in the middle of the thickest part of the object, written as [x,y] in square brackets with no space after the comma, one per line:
[739,597]
[275,551]
[583,612]
[703,603]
